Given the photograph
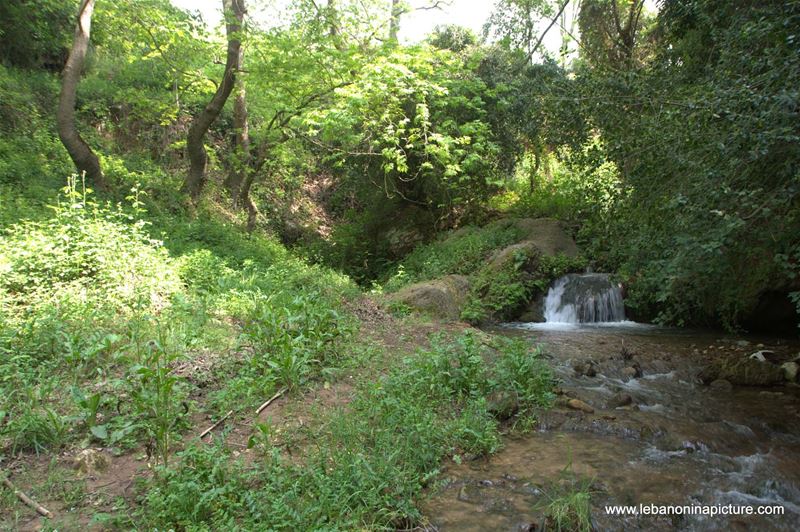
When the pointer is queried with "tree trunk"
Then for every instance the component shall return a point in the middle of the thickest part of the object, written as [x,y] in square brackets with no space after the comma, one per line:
[241,150]
[243,198]
[81,154]
[394,22]
[195,147]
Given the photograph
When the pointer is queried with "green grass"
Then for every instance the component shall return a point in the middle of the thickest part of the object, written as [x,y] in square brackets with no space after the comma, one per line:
[460,252]
[567,503]
[93,309]
[369,462]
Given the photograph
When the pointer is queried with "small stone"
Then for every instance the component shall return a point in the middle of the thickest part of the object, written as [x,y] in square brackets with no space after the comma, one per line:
[577,404]
[89,461]
[486,483]
[790,371]
[742,343]
[463,494]
[620,399]
[631,372]
[722,385]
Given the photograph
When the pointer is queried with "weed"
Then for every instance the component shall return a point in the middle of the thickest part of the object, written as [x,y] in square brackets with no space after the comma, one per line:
[566,504]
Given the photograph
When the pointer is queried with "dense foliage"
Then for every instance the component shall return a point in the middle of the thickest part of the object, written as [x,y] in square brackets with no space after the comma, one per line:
[706,140]
[666,142]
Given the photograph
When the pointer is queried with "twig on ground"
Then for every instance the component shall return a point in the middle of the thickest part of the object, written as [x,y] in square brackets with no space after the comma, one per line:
[267,403]
[24,498]
[215,425]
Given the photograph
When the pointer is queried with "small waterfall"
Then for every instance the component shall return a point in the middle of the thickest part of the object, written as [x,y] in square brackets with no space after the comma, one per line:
[584,298]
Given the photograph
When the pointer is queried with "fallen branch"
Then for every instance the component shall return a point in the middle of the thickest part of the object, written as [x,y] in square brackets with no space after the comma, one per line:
[267,403]
[27,500]
[215,425]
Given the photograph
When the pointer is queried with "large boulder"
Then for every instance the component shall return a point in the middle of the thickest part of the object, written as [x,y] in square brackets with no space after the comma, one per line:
[548,235]
[534,312]
[526,253]
[743,371]
[443,298]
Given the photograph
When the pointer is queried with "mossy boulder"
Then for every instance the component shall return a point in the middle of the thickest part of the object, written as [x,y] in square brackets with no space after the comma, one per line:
[744,372]
[442,298]
[513,281]
[526,254]
[547,234]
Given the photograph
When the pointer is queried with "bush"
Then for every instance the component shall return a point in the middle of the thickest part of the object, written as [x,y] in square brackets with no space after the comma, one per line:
[86,246]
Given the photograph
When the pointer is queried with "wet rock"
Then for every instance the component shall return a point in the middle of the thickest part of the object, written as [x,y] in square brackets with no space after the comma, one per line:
[762,355]
[721,385]
[585,368]
[790,371]
[443,298]
[632,372]
[743,372]
[619,400]
[534,312]
[469,493]
[577,404]
[90,461]
[503,405]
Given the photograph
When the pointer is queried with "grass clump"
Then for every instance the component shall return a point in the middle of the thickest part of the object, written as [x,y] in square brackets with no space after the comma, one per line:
[567,504]
[94,309]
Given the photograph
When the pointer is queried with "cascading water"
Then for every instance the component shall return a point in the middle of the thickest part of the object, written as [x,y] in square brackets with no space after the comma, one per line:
[584,298]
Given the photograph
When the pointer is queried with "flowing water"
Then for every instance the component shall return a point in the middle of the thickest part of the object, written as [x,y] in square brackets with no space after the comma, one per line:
[584,298]
[656,436]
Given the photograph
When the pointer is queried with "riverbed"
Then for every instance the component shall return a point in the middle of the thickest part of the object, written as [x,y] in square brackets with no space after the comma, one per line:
[649,432]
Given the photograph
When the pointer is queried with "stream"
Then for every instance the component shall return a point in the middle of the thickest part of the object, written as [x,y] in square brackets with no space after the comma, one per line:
[656,436]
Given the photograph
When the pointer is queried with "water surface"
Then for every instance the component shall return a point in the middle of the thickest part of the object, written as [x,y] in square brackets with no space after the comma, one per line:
[678,442]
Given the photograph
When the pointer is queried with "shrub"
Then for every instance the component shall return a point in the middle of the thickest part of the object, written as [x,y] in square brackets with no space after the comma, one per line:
[99,249]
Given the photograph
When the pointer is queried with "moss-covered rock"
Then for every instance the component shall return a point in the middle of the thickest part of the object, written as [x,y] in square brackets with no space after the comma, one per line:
[548,235]
[442,298]
[744,372]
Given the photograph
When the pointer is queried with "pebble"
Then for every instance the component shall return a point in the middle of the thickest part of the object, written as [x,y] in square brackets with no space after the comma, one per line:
[577,404]
[790,370]
[721,384]
[620,399]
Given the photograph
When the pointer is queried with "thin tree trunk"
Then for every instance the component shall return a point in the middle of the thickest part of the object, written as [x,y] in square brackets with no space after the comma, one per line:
[195,147]
[243,198]
[81,154]
[394,22]
[241,152]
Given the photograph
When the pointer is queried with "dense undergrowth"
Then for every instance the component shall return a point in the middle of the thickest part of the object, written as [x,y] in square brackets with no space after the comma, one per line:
[95,309]
[369,461]
[97,316]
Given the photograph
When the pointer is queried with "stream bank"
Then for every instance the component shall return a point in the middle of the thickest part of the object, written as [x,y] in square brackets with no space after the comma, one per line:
[636,421]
